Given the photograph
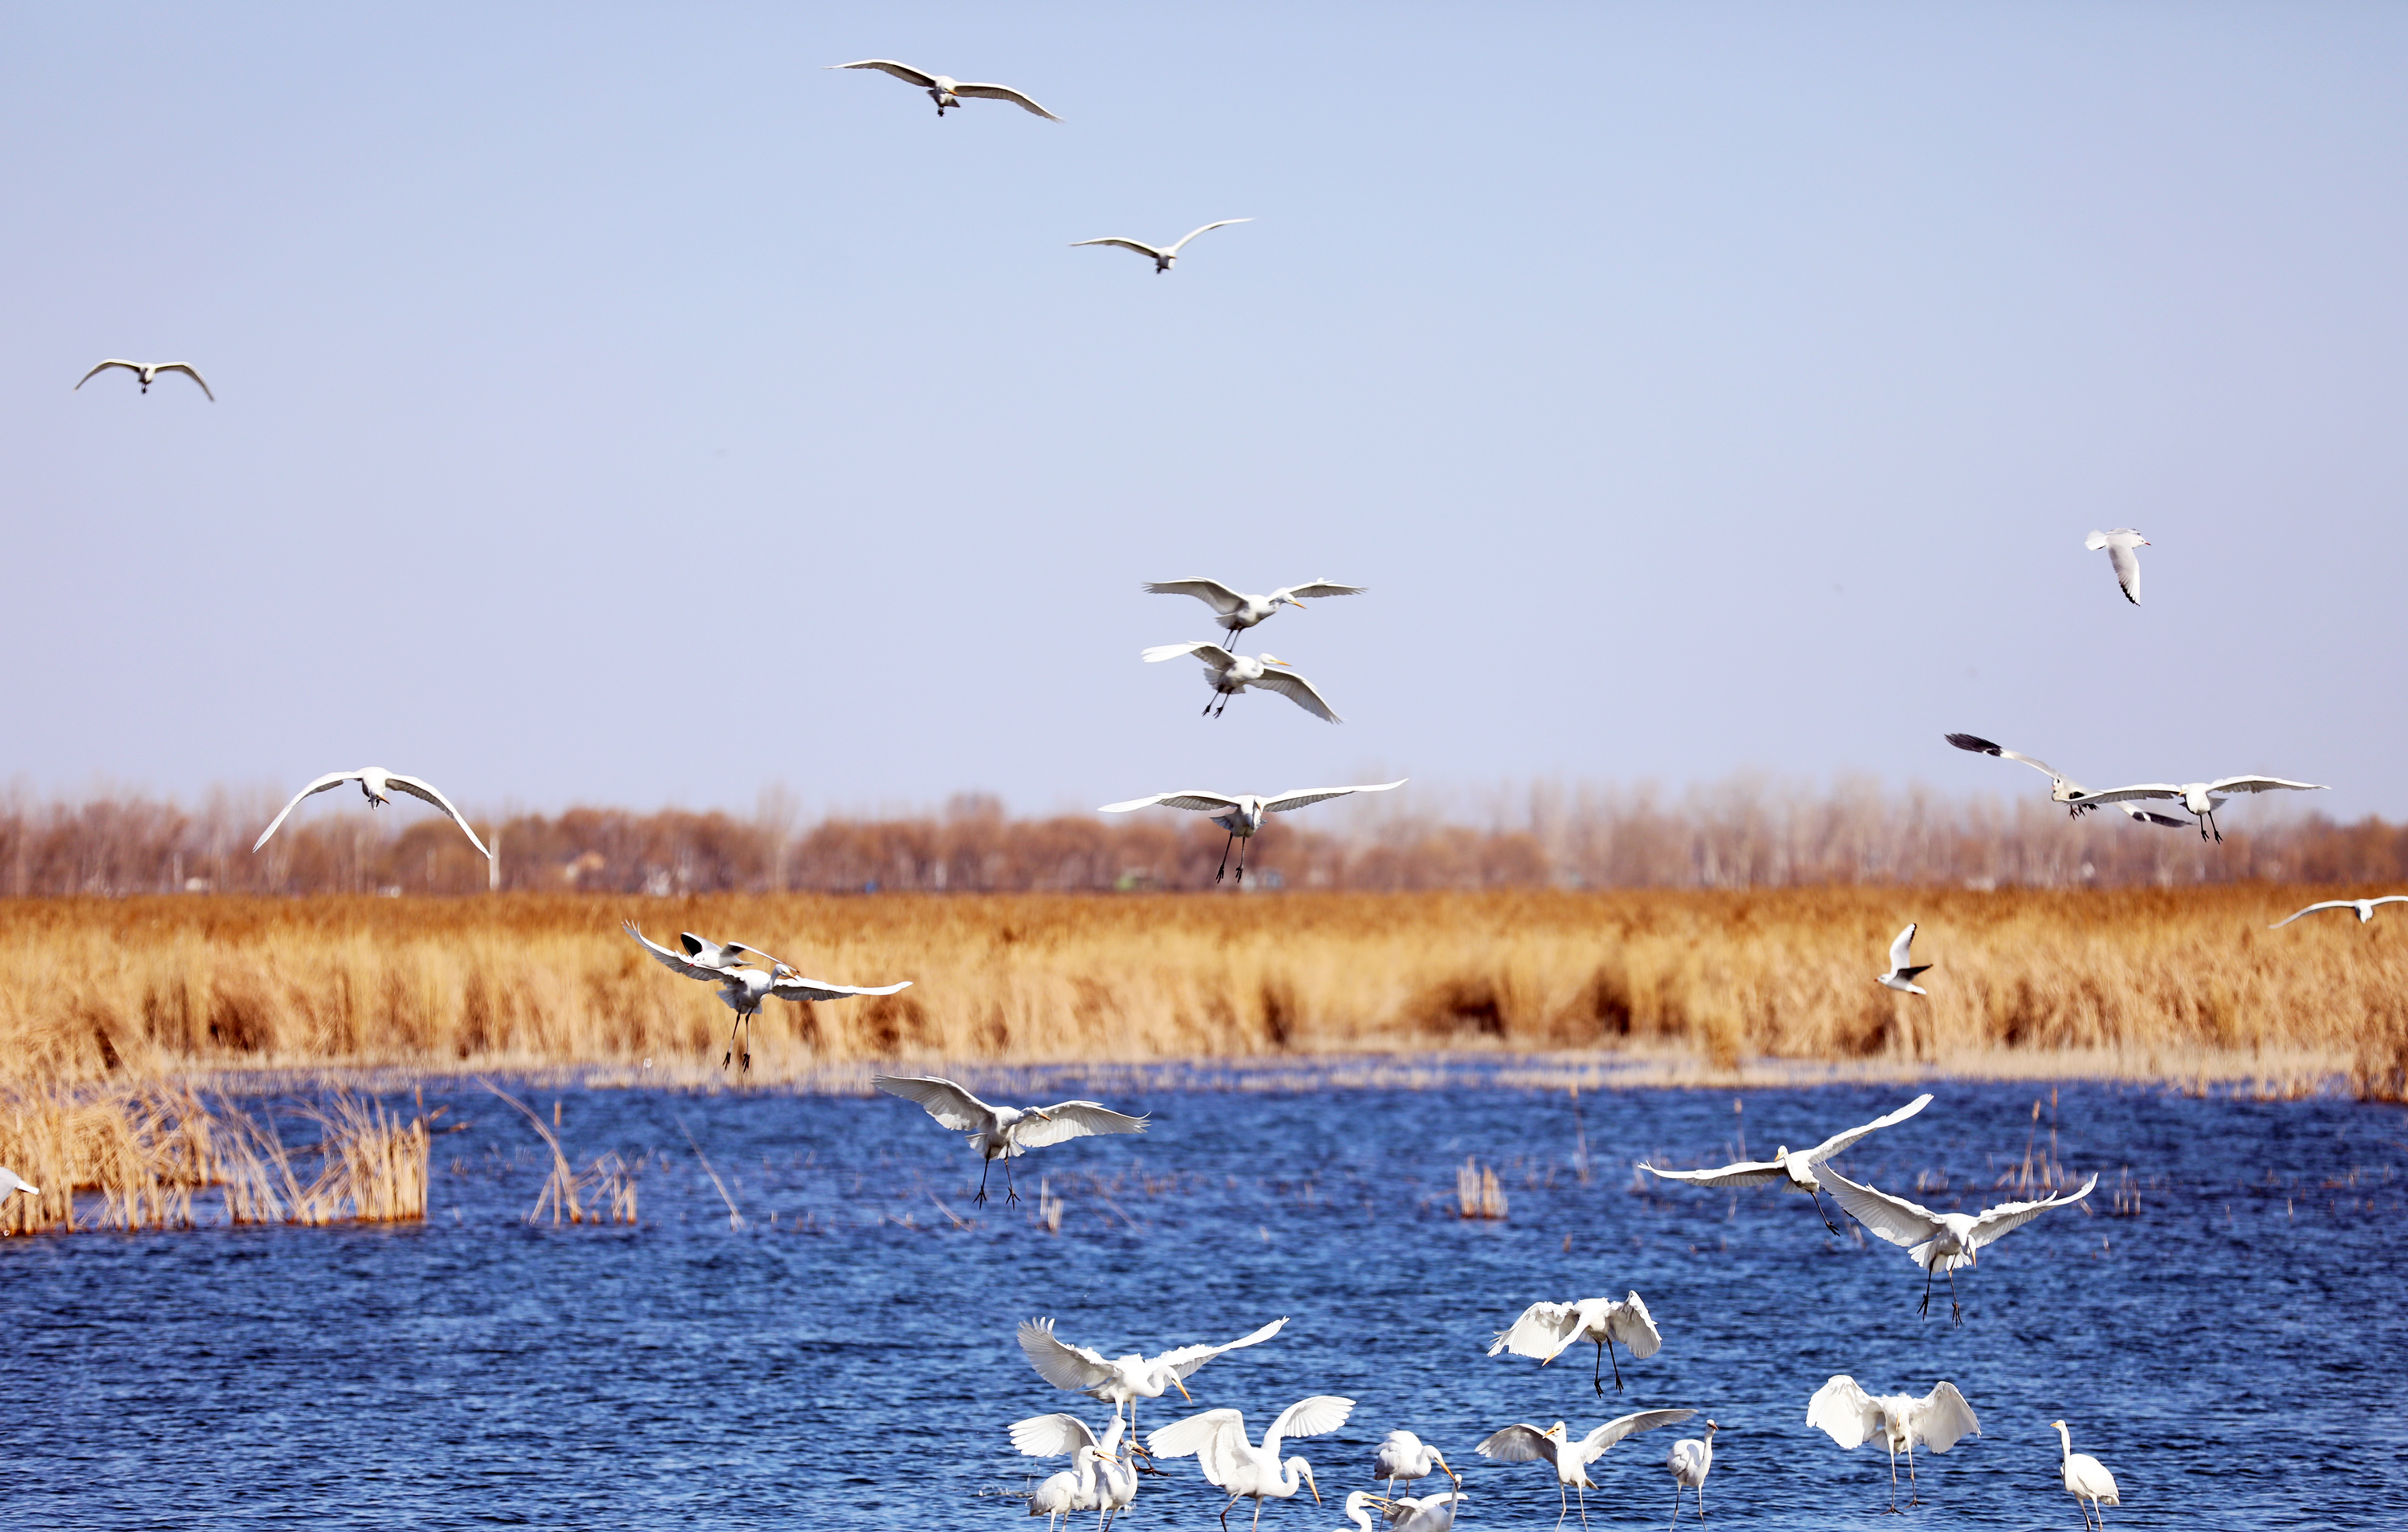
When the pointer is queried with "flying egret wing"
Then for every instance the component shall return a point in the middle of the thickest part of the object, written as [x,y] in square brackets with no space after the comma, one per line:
[945,1101]
[331,779]
[1543,1330]
[1839,1409]
[1629,1322]
[1004,93]
[1980,746]
[1183,1361]
[1743,1173]
[2139,791]
[2263,785]
[1901,951]
[1615,1430]
[191,372]
[2321,904]
[1069,1120]
[1203,649]
[1300,797]
[793,986]
[1838,1141]
[426,792]
[1996,1221]
[1894,1218]
[1186,1438]
[1206,229]
[1051,1436]
[1141,248]
[903,72]
[1515,1444]
[675,962]
[1060,1363]
[1942,1418]
[2390,899]
[1211,592]
[1298,690]
[1314,1417]
[112,362]
[1316,589]
[1196,798]
[2127,571]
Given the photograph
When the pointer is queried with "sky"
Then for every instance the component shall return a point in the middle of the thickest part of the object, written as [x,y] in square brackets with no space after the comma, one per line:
[615,407]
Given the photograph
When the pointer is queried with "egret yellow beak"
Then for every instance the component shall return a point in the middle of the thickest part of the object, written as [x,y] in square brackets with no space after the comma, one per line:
[1293,602]
[1182,1391]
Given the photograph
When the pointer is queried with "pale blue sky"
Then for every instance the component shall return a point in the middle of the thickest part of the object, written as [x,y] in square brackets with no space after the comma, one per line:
[614,407]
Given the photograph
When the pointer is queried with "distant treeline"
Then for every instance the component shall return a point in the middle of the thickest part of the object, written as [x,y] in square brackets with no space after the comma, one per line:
[1744,833]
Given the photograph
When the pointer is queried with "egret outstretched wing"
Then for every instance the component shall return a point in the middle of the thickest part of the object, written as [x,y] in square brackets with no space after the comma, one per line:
[1517,1444]
[1838,1141]
[1069,1120]
[1316,1416]
[2263,785]
[1298,690]
[1124,244]
[793,986]
[1196,798]
[2139,791]
[1206,229]
[1314,589]
[1744,1173]
[1003,92]
[112,362]
[677,963]
[1298,797]
[2350,905]
[1605,1436]
[1893,1218]
[903,72]
[1203,649]
[1629,1322]
[1192,1436]
[1051,1436]
[1942,1418]
[1211,592]
[1839,1409]
[1057,1361]
[1996,1222]
[1184,1360]
[425,792]
[1543,1331]
[948,1103]
[189,371]
[331,779]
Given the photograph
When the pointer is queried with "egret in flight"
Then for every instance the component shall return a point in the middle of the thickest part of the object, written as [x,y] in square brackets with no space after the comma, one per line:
[1547,1330]
[1166,256]
[1851,1417]
[742,987]
[379,785]
[1217,1440]
[1570,1459]
[2061,788]
[1691,1459]
[1237,611]
[1129,1378]
[2086,1479]
[2200,800]
[1797,1167]
[1005,1133]
[1405,1458]
[2119,545]
[1229,674]
[945,91]
[147,372]
[1902,967]
[1242,814]
[2365,908]
[1940,1241]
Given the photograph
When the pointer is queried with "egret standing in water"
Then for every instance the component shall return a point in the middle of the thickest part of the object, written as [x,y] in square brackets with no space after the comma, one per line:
[2086,1479]
[1217,1440]
[1569,1458]
[1850,1416]
[1690,1460]
[1405,1458]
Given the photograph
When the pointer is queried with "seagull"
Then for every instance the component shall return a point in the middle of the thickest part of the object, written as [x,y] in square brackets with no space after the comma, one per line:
[2200,800]
[149,373]
[379,785]
[2119,545]
[1547,1330]
[2061,788]
[1242,814]
[2086,1478]
[743,987]
[1850,1416]
[1690,1460]
[2365,908]
[1406,1457]
[1901,968]
[1165,257]
[1570,1459]
[1217,1440]
[1229,674]
[1797,1168]
[1237,611]
[1127,1378]
[1940,1241]
[1005,1133]
[945,91]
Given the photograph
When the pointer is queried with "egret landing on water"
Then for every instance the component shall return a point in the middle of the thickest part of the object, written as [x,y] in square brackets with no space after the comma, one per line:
[1237,611]
[1005,1133]
[945,91]
[2086,1479]
[1940,1241]
[1129,1378]
[1242,814]
[147,372]
[1166,256]
[1570,1459]
[1850,1416]
[1795,1166]
[1229,674]
[1547,1330]
[1217,1440]
[1691,1459]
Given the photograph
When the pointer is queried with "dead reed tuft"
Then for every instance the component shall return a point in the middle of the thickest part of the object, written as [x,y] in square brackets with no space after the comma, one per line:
[1477,1194]
[606,1184]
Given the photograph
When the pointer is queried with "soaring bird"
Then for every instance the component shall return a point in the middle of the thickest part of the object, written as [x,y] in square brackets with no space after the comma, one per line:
[149,373]
[2119,545]
[742,987]
[379,785]
[1690,1460]
[1236,610]
[1129,1379]
[2061,788]
[1166,256]
[1229,674]
[1405,1458]
[1902,967]
[945,91]
[2200,800]
[1940,1241]
[1005,1133]
[1053,1436]
[1570,1459]
[2086,1479]
[2365,908]
[1797,1167]
[1242,814]
[1850,1416]
[1217,1440]
[1547,1330]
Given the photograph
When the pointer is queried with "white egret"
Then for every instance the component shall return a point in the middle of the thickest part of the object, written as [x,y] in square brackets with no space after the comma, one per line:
[1690,1460]
[2119,545]
[2061,788]
[11,1183]
[1570,1459]
[945,91]
[2365,908]
[1229,674]
[1358,1509]
[2086,1479]
[2200,800]
[1851,1417]
[1940,1241]
[1129,1379]
[1237,611]
[742,988]
[1547,1330]
[1005,1133]
[377,786]
[1795,1166]
[1405,1458]
[1217,1440]
[1425,1513]
[1072,1489]
[1051,1436]
[1166,256]
[1903,967]
[147,372]
[1243,813]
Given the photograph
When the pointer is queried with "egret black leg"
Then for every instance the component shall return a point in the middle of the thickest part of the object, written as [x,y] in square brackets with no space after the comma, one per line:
[1912,1498]
[1010,1192]
[1241,865]
[1224,855]
[1826,1217]
[984,1167]
[1925,1307]
[1956,1311]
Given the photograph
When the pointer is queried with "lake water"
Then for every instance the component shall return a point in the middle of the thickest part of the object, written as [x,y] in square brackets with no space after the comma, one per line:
[2232,1350]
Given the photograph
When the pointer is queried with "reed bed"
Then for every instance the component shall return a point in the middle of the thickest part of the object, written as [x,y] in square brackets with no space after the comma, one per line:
[2134,983]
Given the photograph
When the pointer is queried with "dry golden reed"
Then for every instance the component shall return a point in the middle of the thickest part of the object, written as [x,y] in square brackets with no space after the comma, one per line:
[2172,983]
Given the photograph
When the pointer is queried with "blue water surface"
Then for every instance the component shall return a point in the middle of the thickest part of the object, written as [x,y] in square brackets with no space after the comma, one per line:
[2233,1349]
